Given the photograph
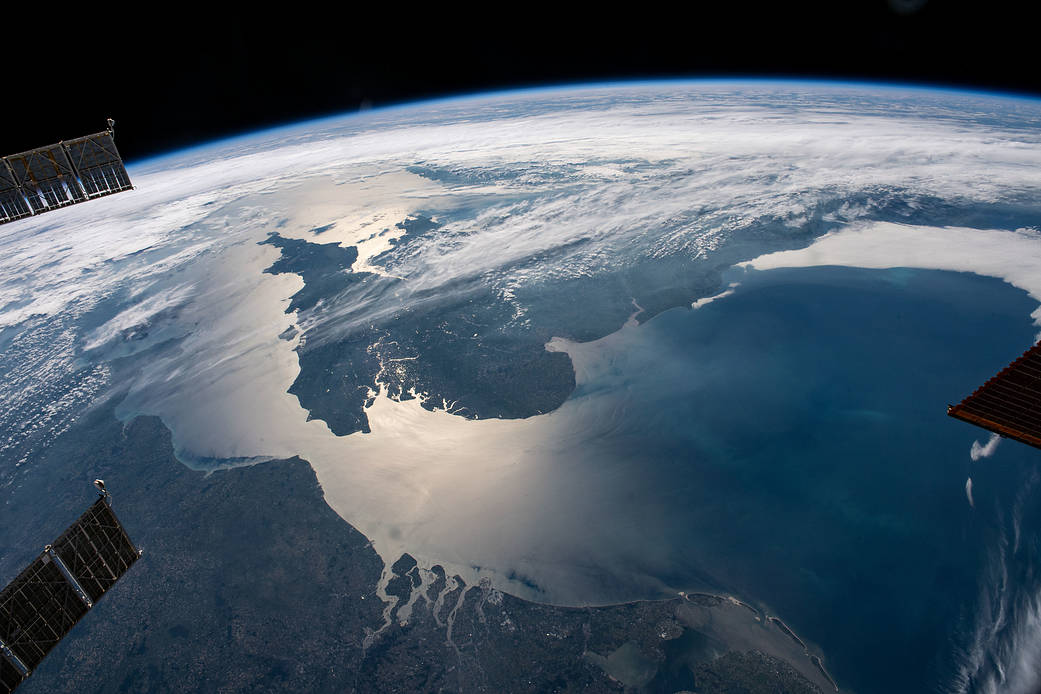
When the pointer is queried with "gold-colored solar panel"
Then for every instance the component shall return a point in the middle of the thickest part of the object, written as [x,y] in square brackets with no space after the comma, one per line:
[1008,404]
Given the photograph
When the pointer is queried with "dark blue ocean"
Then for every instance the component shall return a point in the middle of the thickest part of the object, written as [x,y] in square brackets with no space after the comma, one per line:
[809,464]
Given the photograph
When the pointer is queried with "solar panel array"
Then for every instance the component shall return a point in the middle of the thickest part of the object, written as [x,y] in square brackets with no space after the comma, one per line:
[13,204]
[42,604]
[96,549]
[1009,403]
[101,171]
[66,173]
[10,677]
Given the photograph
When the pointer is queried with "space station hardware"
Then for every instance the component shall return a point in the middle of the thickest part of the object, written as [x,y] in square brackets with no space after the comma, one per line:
[71,171]
[1008,404]
[42,604]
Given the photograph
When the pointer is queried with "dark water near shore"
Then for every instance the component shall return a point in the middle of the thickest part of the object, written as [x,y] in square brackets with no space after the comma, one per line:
[808,462]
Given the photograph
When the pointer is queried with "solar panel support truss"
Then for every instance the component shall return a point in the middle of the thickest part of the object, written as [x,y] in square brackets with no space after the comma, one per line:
[1009,403]
[66,173]
[46,600]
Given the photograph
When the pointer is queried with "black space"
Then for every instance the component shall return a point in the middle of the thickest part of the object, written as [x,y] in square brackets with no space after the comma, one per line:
[177,75]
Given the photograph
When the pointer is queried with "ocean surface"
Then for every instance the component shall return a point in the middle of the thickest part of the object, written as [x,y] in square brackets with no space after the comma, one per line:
[789,444]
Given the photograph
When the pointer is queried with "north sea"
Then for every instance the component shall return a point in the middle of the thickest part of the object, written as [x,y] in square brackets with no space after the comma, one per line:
[789,444]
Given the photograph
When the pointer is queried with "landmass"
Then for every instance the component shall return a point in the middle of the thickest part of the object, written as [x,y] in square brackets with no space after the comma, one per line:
[450,346]
[469,345]
[250,582]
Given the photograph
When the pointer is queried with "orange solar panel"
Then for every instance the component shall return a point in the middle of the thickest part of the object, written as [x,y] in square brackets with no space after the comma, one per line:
[1009,403]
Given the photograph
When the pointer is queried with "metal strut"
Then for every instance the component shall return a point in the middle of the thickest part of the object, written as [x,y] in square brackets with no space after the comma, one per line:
[69,577]
[14,659]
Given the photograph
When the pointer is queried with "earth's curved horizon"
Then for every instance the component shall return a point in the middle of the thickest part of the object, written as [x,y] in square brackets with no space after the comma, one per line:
[594,344]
